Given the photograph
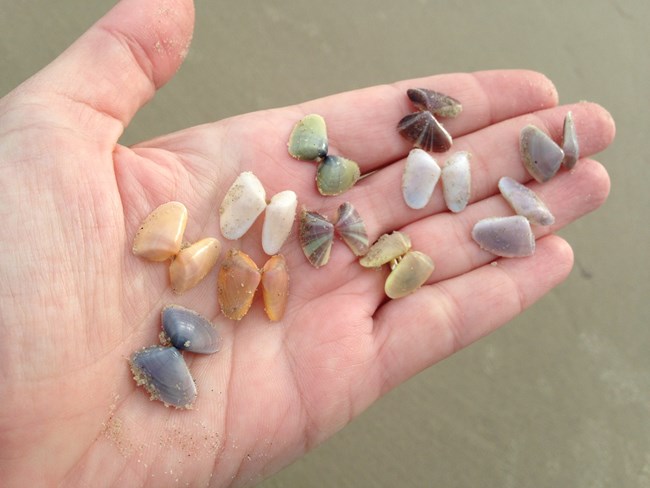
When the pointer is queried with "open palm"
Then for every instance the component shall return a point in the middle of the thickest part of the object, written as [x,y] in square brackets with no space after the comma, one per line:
[75,303]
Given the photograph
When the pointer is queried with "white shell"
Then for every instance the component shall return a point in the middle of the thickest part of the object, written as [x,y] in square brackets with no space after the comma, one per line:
[244,202]
[456,181]
[280,214]
[421,174]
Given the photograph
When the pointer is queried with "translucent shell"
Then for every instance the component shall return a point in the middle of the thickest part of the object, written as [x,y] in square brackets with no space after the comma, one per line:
[336,174]
[316,236]
[308,140]
[424,131]
[509,237]
[409,274]
[161,234]
[570,144]
[275,287]
[238,279]
[278,220]
[541,156]
[525,202]
[193,263]
[419,179]
[351,228]
[243,203]
[164,374]
[434,102]
[187,330]
[456,181]
[387,248]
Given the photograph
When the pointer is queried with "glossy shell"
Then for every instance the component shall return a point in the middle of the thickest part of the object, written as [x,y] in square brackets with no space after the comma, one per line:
[316,236]
[419,179]
[457,181]
[187,330]
[243,203]
[238,279]
[336,175]
[508,237]
[161,234]
[163,372]
[308,140]
[278,221]
[193,263]
[435,102]
[525,202]
[387,248]
[410,273]
[570,144]
[425,132]
[350,227]
[275,287]
[541,156]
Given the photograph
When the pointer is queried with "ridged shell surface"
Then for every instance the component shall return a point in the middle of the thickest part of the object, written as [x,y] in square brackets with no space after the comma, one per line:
[435,102]
[193,263]
[236,285]
[425,132]
[190,331]
[457,181]
[410,273]
[542,157]
[275,287]
[509,237]
[419,179]
[243,203]
[308,140]
[388,247]
[163,372]
[278,221]
[525,202]
[316,236]
[351,228]
[336,174]
[161,234]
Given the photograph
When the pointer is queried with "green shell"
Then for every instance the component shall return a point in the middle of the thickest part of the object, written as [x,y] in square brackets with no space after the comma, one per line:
[336,174]
[308,140]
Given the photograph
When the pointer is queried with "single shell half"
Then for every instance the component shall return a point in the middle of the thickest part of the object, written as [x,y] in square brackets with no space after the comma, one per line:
[193,263]
[161,234]
[510,237]
[336,175]
[541,156]
[308,139]
[424,131]
[187,330]
[457,181]
[243,203]
[388,247]
[275,287]
[164,374]
[351,228]
[570,144]
[238,279]
[419,179]
[435,102]
[278,220]
[410,273]
[316,236]
[525,202]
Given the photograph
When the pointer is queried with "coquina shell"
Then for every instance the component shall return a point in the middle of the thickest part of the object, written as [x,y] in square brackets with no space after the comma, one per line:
[570,144]
[308,140]
[525,202]
[193,263]
[419,179]
[236,285]
[457,181]
[316,236]
[508,237]
[278,221]
[336,174]
[243,203]
[188,330]
[161,234]
[542,157]
[424,131]
[387,248]
[275,287]
[410,273]
[435,102]
[351,228]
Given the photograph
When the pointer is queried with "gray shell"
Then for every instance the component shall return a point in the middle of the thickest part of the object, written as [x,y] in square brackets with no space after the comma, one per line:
[187,330]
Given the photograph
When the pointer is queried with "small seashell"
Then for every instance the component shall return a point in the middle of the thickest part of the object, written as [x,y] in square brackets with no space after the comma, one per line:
[278,220]
[243,203]
[456,181]
[409,274]
[424,131]
[570,144]
[275,287]
[163,372]
[420,177]
[541,156]
[316,236]
[336,175]
[388,247]
[161,234]
[510,237]
[187,330]
[193,263]
[525,202]
[238,279]
[435,102]
[308,140]
[351,228]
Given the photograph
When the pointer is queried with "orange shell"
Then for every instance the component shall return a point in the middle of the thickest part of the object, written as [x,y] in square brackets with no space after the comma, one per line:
[275,287]
[192,264]
[238,279]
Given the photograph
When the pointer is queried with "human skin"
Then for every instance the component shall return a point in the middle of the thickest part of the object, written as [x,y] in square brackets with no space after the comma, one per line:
[75,303]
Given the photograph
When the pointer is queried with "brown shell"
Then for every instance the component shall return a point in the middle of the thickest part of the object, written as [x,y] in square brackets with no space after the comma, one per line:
[238,279]
[275,287]
[424,131]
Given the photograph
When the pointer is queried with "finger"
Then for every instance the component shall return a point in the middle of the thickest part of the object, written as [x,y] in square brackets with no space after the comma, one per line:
[117,65]
[419,330]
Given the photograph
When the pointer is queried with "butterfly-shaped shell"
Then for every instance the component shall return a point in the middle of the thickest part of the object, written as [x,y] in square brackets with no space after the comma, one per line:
[187,330]
[316,235]
[351,228]
[425,132]
[388,247]
[435,102]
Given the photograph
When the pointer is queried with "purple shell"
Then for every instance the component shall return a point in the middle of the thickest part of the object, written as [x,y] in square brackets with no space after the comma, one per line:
[509,237]
[316,235]
[351,228]
[424,131]
[189,331]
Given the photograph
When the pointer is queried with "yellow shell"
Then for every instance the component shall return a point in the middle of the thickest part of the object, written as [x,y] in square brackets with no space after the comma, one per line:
[410,273]
[238,279]
[275,286]
[387,248]
[192,264]
[161,234]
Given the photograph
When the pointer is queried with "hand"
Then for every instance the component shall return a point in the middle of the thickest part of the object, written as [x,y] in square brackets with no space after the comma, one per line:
[75,303]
